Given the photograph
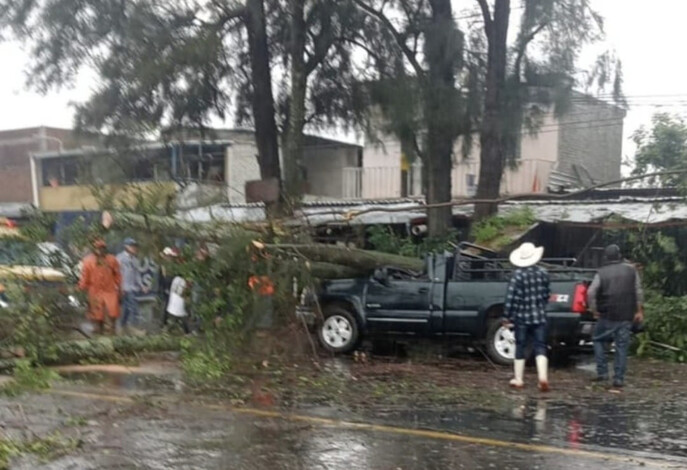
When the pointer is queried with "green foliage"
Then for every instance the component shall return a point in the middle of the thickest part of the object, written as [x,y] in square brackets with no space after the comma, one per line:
[45,448]
[203,362]
[39,227]
[36,319]
[497,231]
[662,148]
[666,328]
[386,240]
[661,254]
[27,378]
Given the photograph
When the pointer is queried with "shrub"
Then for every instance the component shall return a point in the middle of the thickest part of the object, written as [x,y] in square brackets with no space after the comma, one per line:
[665,334]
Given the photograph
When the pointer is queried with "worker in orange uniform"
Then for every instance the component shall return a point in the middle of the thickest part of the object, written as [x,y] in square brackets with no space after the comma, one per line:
[101,278]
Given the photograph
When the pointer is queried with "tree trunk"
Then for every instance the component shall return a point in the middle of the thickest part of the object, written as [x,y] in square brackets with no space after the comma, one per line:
[360,260]
[442,59]
[492,133]
[266,134]
[293,151]
[327,260]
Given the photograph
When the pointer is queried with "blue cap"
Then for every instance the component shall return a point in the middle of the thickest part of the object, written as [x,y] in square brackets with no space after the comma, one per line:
[130,242]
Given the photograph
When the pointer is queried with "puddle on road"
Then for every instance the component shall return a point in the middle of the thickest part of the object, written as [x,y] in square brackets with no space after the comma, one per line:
[639,427]
[147,378]
[648,426]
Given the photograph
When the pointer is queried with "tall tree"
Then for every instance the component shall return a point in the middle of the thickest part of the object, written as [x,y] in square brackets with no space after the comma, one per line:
[430,45]
[180,63]
[663,147]
[548,42]
[319,90]
[266,134]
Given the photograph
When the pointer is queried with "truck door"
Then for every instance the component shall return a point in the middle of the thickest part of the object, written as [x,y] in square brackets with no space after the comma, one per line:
[399,304]
[464,298]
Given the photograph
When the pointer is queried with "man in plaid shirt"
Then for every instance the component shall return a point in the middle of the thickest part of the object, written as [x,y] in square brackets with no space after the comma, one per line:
[528,295]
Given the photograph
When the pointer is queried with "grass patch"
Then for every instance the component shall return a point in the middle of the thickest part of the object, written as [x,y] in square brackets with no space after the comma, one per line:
[29,379]
[500,230]
[45,448]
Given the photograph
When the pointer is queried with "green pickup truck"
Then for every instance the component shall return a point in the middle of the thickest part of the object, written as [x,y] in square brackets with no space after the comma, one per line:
[459,297]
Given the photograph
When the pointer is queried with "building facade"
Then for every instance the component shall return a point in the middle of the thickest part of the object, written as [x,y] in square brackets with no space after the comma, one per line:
[196,172]
[16,148]
[583,145]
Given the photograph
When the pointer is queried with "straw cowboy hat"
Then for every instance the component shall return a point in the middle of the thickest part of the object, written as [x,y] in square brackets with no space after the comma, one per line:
[526,255]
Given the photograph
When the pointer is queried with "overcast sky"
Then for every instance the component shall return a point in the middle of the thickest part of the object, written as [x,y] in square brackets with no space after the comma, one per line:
[647,36]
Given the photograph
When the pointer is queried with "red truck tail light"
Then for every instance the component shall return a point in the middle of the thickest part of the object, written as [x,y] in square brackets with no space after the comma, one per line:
[579,304]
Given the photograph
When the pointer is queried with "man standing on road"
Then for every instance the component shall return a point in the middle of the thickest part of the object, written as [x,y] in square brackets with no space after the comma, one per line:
[528,295]
[615,297]
[101,279]
[131,284]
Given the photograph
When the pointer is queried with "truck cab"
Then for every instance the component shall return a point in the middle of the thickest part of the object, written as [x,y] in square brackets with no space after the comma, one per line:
[458,297]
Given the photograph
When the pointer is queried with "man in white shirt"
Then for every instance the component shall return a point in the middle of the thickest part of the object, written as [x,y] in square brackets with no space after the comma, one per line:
[176,306]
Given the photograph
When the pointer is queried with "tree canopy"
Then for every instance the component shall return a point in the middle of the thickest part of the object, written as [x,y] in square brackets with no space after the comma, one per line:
[184,63]
[662,147]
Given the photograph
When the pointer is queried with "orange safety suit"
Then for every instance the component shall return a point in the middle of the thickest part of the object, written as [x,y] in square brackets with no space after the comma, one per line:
[262,285]
[101,278]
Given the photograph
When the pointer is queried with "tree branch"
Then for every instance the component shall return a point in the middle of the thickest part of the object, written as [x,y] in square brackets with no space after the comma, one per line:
[486,15]
[522,47]
[363,46]
[380,16]
[229,14]
[322,48]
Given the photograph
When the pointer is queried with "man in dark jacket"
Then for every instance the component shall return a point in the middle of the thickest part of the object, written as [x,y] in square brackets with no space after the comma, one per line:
[616,298]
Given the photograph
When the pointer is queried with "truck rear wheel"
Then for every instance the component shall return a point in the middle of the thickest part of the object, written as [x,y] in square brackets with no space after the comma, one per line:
[338,332]
[500,342]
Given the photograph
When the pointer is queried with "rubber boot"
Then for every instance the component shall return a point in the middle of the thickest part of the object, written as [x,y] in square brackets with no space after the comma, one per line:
[543,373]
[519,371]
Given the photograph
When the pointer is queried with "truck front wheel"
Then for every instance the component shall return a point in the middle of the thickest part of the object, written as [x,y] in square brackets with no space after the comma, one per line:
[500,342]
[339,330]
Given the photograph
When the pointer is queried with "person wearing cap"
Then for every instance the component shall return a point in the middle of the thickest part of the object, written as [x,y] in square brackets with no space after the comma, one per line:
[526,300]
[131,284]
[615,297]
[101,279]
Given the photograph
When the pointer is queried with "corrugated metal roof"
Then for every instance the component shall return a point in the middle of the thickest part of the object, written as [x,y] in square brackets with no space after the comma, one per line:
[639,209]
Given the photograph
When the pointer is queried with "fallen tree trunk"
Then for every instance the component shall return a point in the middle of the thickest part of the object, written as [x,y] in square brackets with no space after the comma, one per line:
[74,352]
[329,261]
[360,260]
[334,271]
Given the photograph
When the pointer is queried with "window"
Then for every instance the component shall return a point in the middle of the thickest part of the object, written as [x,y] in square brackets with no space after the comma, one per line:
[207,168]
[471,184]
[150,169]
[67,171]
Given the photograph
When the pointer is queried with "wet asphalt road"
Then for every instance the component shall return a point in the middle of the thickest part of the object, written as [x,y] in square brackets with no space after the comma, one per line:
[169,436]
[130,421]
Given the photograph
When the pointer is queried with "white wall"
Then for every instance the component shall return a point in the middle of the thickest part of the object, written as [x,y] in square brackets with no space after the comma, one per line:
[324,166]
[381,177]
[242,166]
[538,156]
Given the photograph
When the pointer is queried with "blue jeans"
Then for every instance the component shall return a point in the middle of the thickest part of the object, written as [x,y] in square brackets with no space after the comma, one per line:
[129,309]
[605,332]
[525,334]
